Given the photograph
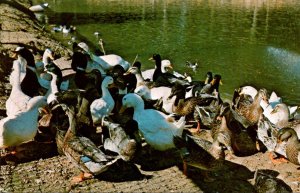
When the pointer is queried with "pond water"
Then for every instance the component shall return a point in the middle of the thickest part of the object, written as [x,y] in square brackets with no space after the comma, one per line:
[248,42]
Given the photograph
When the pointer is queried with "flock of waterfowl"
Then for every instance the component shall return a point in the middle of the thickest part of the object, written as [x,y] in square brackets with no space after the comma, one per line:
[114,108]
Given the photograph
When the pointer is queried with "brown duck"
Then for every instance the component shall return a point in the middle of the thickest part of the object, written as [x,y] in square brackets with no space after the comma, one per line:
[253,111]
[81,150]
[200,153]
[186,107]
[293,144]
[231,132]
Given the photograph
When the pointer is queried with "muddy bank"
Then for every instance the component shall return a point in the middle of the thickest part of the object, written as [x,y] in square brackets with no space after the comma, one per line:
[19,27]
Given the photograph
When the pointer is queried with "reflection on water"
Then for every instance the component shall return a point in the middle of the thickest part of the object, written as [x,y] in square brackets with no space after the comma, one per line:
[246,41]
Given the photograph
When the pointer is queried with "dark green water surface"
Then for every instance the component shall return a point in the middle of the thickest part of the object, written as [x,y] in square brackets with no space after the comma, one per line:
[248,42]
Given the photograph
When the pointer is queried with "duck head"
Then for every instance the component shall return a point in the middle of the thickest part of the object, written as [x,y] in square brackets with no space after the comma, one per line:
[131,100]
[165,65]
[108,80]
[286,134]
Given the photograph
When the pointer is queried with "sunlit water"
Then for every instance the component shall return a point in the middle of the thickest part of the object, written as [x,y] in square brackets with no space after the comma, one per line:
[247,42]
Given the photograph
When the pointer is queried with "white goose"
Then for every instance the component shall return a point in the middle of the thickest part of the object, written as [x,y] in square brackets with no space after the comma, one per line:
[17,100]
[53,89]
[156,93]
[47,57]
[154,125]
[23,126]
[107,62]
[102,107]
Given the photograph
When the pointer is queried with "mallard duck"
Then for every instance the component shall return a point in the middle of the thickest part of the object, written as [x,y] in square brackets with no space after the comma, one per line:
[267,133]
[106,61]
[196,86]
[232,133]
[191,65]
[103,106]
[200,153]
[81,150]
[243,96]
[155,126]
[207,114]
[266,182]
[119,142]
[186,107]
[209,88]
[22,126]
[253,111]
[293,144]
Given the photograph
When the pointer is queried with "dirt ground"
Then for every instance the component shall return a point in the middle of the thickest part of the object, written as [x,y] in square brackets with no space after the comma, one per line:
[154,172]
[148,172]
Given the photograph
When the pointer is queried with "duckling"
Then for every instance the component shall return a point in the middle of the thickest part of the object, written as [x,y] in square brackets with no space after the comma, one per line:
[154,125]
[253,111]
[103,106]
[293,144]
[23,126]
[81,150]
[200,153]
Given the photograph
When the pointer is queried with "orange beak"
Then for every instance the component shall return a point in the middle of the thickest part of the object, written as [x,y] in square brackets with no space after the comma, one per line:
[122,109]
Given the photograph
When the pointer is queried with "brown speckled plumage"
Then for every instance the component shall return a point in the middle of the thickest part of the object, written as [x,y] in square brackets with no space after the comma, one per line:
[293,144]
[253,111]
[202,154]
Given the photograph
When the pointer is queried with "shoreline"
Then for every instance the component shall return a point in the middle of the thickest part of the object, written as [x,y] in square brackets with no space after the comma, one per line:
[19,27]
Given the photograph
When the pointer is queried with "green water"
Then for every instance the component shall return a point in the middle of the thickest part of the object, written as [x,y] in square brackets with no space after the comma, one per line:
[247,42]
